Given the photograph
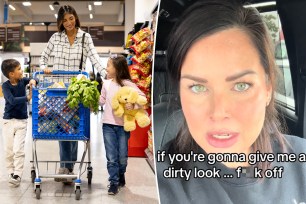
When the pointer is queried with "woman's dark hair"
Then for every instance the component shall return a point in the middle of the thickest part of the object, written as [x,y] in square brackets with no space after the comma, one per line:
[205,18]
[99,80]
[9,65]
[121,67]
[60,17]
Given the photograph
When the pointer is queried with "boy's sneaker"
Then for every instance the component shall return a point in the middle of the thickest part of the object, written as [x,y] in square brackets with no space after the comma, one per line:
[121,180]
[10,176]
[62,171]
[15,180]
[113,189]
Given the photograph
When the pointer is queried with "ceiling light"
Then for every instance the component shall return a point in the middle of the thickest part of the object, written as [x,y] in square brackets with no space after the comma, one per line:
[26,3]
[12,7]
[90,16]
[51,7]
[98,3]
[30,23]
[55,16]
[89,7]
[271,3]
[42,24]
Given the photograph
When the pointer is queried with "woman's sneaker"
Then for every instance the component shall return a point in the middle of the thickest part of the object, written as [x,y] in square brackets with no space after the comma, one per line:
[69,180]
[113,189]
[62,171]
[15,180]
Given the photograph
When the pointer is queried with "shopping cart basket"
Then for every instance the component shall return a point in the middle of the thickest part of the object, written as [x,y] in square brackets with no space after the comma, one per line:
[52,119]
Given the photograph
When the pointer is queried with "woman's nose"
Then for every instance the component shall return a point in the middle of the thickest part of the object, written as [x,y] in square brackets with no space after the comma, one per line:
[68,23]
[219,107]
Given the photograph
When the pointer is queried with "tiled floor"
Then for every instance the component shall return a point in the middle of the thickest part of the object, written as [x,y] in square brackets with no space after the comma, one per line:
[140,187]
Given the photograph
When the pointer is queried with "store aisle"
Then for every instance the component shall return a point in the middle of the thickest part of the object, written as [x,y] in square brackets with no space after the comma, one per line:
[140,187]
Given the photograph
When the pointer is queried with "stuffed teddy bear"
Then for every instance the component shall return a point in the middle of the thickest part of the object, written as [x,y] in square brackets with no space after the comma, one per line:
[125,95]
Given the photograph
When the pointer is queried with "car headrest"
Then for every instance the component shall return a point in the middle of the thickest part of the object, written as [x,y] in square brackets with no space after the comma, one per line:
[166,125]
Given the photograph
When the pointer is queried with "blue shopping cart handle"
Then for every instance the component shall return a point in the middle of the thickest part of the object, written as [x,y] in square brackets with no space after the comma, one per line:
[61,73]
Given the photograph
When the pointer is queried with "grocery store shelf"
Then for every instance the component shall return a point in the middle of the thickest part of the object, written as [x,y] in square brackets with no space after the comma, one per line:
[150,159]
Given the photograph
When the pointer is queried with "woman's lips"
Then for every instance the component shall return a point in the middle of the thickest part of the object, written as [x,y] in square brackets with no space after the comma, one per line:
[222,139]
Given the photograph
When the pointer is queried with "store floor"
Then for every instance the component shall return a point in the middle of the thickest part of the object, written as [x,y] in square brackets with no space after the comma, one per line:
[140,179]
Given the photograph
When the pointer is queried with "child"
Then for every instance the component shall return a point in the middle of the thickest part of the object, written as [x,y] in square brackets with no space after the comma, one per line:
[15,116]
[115,138]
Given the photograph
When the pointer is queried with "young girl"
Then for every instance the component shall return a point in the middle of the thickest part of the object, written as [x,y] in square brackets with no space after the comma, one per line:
[115,138]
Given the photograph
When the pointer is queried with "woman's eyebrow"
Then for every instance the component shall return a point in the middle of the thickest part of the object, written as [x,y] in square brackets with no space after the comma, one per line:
[230,78]
[194,78]
[239,75]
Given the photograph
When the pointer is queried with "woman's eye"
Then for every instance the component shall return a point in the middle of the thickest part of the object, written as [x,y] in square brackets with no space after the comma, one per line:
[241,86]
[198,88]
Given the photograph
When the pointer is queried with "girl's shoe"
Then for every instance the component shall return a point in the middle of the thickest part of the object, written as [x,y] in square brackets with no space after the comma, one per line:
[121,180]
[113,189]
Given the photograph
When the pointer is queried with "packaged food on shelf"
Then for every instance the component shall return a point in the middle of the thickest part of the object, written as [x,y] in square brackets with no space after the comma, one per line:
[141,34]
[138,48]
[144,83]
[134,75]
[142,56]
[144,69]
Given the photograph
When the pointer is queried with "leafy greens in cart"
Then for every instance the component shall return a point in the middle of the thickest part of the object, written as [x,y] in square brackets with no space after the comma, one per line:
[82,90]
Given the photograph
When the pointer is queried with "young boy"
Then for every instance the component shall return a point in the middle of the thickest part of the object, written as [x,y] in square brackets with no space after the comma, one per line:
[15,118]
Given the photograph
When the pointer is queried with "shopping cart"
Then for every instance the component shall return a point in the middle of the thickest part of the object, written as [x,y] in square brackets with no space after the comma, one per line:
[52,119]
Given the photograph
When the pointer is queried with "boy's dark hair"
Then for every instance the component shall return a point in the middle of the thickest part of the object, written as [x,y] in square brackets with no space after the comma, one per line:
[122,70]
[9,65]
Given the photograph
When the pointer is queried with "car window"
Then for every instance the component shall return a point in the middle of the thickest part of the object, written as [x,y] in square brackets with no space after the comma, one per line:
[284,93]
[280,50]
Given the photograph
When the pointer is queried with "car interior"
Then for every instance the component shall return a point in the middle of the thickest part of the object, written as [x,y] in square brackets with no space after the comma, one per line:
[285,20]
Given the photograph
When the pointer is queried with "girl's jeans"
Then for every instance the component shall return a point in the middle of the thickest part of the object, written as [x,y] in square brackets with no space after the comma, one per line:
[116,148]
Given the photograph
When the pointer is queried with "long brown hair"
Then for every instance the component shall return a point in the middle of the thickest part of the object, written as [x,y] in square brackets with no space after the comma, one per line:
[60,17]
[205,18]
[122,71]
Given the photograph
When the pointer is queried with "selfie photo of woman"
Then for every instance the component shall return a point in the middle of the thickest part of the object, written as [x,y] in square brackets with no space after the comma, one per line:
[224,138]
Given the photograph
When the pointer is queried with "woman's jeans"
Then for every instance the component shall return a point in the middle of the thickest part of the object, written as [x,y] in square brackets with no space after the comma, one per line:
[68,152]
[116,148]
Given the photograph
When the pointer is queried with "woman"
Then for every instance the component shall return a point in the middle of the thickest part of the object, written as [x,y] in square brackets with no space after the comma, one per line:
[66,46]
[220,53]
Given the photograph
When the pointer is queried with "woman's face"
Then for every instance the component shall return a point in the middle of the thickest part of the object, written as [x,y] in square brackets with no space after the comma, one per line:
[69,22]
[110,69]
[224,92]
